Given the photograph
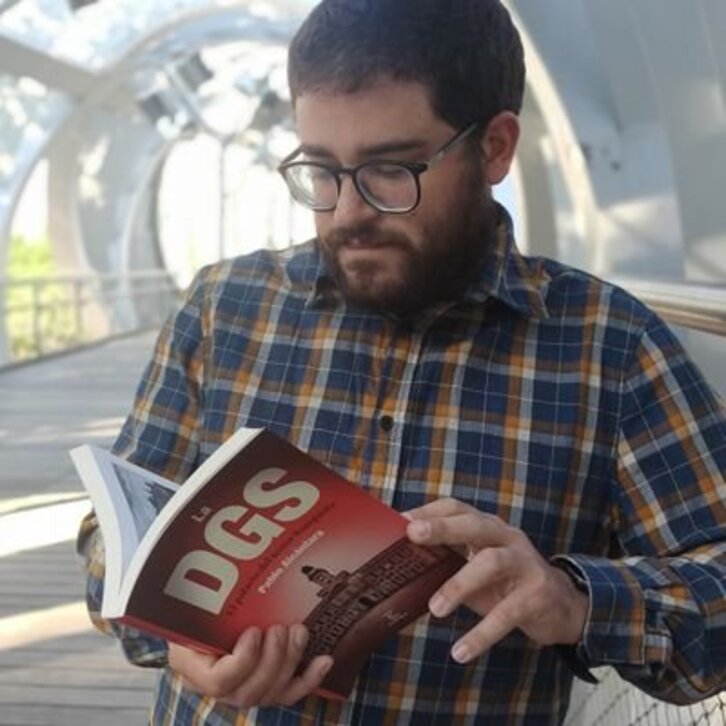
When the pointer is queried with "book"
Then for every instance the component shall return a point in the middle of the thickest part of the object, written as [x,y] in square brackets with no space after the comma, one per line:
[260,534]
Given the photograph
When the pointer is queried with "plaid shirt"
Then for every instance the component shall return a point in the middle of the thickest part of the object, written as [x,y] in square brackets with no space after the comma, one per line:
[544,396]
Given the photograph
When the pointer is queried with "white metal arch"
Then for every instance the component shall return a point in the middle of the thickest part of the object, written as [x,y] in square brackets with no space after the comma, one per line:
[84,237]
[112,88]
[632,98]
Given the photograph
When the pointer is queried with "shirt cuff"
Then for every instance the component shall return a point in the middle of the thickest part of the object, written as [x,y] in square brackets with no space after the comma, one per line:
[614,632]
[574,656]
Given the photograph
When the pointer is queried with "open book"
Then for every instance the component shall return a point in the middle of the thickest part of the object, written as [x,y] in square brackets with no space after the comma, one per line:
[260,534]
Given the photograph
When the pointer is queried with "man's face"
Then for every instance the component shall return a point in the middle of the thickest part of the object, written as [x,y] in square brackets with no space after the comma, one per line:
[397,263]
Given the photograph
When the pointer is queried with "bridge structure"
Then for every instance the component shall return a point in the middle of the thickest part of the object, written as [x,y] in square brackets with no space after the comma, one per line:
[138,141]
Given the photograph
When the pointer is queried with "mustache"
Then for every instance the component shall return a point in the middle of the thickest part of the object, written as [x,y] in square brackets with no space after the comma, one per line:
[365,234]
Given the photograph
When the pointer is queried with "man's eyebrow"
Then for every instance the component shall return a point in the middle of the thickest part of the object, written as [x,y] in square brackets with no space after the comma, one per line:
[395,146]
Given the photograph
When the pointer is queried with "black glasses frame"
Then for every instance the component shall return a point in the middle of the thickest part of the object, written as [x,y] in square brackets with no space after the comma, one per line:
[414,168]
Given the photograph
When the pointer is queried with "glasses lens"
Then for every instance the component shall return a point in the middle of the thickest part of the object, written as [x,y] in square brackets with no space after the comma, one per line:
[389,187]
[312,185]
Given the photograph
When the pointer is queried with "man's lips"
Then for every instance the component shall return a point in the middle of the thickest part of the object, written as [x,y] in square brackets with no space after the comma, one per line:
[355,242]
[368,252]
[367,244]
[362,246]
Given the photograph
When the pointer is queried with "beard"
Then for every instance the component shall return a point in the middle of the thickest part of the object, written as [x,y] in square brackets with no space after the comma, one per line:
[446,261]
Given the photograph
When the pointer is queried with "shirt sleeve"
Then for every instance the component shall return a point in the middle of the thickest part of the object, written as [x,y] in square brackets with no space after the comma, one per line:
[658,613]
[160,434]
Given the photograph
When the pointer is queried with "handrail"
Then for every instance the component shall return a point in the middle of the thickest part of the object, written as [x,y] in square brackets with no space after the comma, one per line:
[698,306]
[71,277]
[63,311]
[80,282]
[695,306]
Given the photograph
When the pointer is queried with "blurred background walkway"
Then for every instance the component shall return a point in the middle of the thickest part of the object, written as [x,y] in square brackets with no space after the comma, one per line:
[54,669]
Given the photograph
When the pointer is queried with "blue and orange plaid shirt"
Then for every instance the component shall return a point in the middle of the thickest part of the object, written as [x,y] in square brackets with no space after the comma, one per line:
[543,395]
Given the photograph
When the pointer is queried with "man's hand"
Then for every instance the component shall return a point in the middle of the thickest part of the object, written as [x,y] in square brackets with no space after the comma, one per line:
[506,580]
[259,672]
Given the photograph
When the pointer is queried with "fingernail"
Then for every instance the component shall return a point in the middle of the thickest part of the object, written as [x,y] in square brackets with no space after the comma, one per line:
[301,638]
[460,653]
[326,667]
[256,638]
[420,529]
[439,605]
[248,639]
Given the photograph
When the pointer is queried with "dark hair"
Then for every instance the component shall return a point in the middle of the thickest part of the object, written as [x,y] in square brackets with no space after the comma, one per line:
[466,52]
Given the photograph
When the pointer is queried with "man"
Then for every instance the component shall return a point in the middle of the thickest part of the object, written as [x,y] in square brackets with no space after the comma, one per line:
[538,418]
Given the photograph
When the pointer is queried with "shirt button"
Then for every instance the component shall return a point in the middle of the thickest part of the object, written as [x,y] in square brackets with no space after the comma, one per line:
[386,422]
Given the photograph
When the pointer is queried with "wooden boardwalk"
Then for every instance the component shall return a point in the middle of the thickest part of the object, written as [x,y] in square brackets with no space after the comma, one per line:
[55,669]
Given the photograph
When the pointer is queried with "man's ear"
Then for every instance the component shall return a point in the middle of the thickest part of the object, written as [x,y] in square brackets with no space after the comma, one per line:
[499,143]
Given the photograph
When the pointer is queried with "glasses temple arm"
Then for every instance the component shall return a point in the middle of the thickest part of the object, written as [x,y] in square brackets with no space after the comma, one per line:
[436,158]
[290,156]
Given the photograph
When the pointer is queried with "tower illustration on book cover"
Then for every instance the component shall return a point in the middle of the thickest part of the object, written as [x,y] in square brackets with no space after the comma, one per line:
[364,607]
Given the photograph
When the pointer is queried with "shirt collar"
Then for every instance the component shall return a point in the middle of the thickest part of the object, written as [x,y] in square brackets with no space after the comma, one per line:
[518,282]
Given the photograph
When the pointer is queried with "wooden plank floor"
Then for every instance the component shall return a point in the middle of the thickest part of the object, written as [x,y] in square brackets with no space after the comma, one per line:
[81,679]
[55,670]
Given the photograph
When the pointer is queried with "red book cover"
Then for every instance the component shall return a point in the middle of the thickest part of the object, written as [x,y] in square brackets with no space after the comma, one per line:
[263,534]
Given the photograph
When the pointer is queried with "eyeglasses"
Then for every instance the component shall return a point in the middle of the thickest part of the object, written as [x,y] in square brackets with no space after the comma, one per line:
[391,187]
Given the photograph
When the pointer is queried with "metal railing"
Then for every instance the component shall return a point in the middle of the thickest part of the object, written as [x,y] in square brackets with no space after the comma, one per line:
[43,315]
[695,306]
[615,702]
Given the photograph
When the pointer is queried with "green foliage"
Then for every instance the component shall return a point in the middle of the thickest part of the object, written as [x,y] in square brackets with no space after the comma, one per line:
[40,317]
[29,259]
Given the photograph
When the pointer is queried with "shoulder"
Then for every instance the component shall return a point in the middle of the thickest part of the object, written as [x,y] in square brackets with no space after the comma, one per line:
[250,277]
[574,295]
[589,318]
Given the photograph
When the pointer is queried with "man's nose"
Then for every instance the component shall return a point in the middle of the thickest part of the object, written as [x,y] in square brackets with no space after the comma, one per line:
[351,207]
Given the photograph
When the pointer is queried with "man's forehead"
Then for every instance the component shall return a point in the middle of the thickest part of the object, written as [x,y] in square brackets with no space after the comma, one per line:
[383,87]
[384,113]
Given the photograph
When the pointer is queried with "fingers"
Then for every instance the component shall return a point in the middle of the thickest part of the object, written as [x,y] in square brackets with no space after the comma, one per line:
[215,676]
[273,680]
[278,658]
[483,581]
[506,580]
[296,641]
[454,523]
[500,621]
[305,684]
[512,588]
[493,584]
[438,508]
[259,672]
